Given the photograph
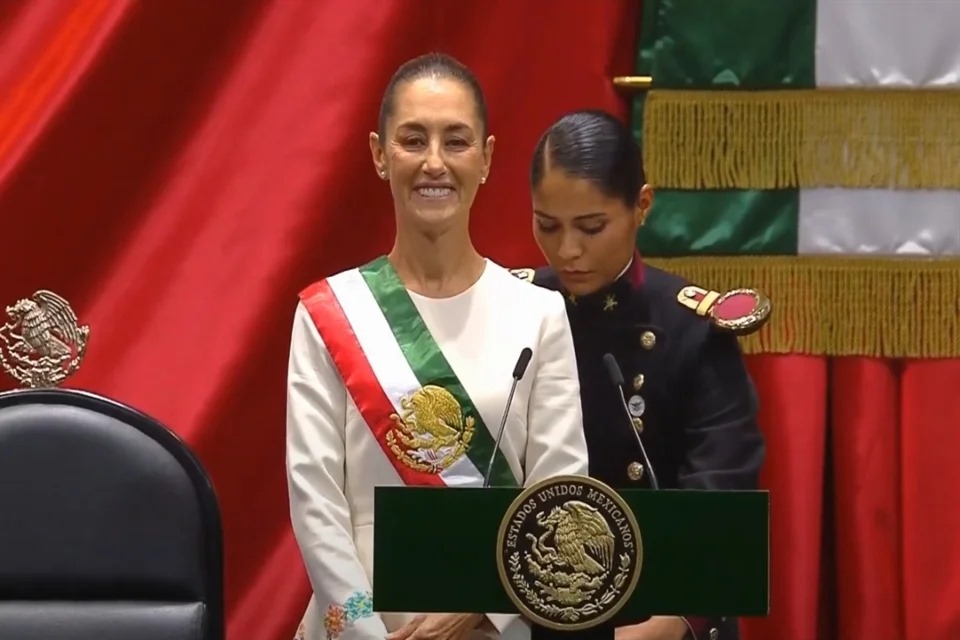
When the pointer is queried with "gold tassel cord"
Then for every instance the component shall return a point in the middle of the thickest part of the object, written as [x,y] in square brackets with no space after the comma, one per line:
[874,307]
[852,138]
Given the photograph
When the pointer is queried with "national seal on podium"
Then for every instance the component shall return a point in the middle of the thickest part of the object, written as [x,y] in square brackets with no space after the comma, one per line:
[569,552]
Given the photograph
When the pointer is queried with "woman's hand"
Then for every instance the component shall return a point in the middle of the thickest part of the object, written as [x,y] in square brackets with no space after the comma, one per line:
[656,628]
[438,626]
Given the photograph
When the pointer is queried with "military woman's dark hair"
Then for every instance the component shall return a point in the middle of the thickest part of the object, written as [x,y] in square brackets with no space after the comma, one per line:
[595,146]
[437,65]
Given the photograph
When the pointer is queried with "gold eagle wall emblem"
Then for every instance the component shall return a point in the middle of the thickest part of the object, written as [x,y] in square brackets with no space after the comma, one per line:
[432,432]
[569,553]
[42,344]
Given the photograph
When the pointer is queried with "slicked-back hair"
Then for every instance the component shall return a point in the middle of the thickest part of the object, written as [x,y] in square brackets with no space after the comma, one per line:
[435,65]
[593,145]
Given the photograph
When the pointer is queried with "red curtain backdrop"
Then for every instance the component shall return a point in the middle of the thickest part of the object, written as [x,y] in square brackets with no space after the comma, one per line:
[865,488]
[179,170]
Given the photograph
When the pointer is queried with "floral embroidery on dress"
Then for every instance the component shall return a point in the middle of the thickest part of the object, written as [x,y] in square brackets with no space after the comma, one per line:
[358,606]
[301,632]
[334,622]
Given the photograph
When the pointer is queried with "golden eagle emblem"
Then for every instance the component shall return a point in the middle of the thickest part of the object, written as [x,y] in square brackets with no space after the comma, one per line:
[569,552]
[575,527]
[42,344]
[432,433]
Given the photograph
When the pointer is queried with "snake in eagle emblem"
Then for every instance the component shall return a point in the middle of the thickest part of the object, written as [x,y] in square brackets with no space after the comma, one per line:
[43,340]
[432,429]
[569,552]
[577,529]
[574,568]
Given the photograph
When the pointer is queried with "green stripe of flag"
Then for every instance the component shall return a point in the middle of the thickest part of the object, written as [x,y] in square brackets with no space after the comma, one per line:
[746,44]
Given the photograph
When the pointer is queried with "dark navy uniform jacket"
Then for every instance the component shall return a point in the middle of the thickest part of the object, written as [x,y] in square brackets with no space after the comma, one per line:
[686,383]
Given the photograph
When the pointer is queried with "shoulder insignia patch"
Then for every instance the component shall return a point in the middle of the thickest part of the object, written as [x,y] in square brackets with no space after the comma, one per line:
[740,311]
[524,274]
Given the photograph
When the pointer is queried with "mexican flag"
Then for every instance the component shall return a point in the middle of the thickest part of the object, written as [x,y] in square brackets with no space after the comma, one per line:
[811,149]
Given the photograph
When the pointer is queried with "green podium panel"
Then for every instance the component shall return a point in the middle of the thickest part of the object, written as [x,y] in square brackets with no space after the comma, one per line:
[704,553]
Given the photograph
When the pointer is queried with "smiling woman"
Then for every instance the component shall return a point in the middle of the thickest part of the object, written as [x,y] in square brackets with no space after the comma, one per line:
[398,368]
[432,143]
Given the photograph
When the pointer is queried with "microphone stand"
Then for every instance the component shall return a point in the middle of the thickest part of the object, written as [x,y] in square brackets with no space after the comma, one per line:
[518,370]
[616,376]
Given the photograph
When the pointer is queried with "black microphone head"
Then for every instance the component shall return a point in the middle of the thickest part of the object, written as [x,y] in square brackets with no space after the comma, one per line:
[613,369]
[522,363]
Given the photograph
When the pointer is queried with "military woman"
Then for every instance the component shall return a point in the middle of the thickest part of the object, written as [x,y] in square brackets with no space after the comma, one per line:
[688,392]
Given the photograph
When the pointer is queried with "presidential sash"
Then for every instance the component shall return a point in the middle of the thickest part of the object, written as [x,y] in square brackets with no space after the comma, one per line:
[400,381]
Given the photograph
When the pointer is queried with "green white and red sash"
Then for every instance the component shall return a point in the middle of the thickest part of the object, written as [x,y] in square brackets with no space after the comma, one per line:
[385,353]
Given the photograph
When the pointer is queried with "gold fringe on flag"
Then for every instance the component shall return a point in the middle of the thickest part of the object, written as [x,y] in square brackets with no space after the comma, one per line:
[876,307]
[854,138]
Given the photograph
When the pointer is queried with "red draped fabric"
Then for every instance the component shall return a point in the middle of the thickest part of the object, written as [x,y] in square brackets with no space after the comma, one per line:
[865,498]
[179,170]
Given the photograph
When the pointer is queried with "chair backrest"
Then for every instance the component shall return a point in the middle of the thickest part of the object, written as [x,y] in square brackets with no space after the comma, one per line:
[110,525]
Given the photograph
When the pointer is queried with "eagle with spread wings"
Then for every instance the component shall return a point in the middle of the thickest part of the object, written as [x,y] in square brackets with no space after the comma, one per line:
[578,528]
[48,326]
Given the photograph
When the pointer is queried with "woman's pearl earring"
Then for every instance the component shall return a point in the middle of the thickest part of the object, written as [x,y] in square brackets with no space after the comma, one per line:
[483,180]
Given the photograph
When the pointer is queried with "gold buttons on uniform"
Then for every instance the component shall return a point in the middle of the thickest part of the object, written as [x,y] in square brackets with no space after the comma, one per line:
[635,471]
[648,340]
[638,425]
[638,382]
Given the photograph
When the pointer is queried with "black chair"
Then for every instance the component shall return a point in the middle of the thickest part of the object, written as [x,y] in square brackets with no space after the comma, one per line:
[109,525]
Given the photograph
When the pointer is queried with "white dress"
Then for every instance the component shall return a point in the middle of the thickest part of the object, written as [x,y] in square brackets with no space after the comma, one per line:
[334,460]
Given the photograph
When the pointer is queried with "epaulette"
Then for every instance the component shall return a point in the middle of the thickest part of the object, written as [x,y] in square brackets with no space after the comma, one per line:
[524,274]
[740,311]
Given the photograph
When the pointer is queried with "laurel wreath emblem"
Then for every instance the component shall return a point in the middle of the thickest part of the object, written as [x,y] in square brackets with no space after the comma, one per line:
[570,614]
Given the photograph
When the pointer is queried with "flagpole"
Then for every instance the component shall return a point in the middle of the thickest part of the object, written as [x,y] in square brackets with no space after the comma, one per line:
[633,83]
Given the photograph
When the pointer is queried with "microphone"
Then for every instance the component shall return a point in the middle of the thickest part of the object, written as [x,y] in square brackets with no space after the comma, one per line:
[518,370]
[616,377]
